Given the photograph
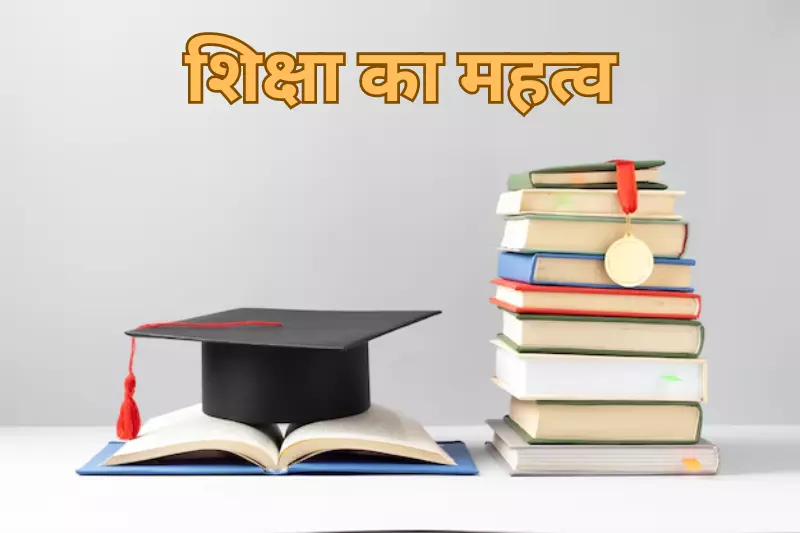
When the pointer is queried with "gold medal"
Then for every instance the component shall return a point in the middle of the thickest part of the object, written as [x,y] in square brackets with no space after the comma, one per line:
[629,261]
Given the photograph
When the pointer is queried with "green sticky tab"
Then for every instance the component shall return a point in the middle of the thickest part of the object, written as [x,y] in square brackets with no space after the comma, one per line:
[670,378]
[563,200]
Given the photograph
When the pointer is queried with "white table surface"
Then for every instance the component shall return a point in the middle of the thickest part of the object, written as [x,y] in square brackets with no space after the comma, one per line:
[757,489]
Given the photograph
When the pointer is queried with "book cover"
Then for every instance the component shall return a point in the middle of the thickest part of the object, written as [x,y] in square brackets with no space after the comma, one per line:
[525,287]
[523,350]
[544,441]
[665,237]
[522,267]
[603,166]
[520,181]
[543,376]
[586,202]
[585,218]
[527,180]
[571,318]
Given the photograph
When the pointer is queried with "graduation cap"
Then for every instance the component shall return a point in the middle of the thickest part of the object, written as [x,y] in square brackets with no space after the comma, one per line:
[263,366]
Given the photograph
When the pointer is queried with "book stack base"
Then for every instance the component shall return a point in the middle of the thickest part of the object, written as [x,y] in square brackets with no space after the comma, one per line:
[521,459]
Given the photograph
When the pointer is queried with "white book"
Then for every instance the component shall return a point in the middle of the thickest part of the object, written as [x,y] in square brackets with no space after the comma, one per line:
[543,376]
[523,459]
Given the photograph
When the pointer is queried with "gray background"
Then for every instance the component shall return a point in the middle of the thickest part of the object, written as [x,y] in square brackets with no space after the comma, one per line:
[122,204]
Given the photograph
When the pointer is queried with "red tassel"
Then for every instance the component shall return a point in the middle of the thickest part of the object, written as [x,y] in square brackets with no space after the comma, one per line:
[129,421]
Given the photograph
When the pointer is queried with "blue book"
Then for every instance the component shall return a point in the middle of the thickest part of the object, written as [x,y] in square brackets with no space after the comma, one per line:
[588,270]
[330,463]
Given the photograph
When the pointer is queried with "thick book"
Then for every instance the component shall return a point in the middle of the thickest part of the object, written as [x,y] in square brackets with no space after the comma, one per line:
[547,376]
[591,235]
[523,298]
[592,335]
[586,202]
[588,270]
[522,459]
[605,422]
[189,442]
[594,175]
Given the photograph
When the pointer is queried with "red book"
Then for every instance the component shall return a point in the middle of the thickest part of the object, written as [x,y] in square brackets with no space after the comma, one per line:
[523,298]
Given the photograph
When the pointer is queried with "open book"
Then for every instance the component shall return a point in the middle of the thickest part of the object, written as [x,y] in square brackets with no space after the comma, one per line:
[189,431]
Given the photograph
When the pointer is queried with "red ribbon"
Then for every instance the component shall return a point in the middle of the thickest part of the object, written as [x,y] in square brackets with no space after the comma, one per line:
[626,185]
[129,421]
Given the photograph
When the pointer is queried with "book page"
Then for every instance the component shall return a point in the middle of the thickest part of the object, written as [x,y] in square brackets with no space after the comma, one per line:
[191,430]
[378,430]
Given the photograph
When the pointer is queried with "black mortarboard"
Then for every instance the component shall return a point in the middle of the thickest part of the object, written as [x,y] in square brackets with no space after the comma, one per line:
[262,366]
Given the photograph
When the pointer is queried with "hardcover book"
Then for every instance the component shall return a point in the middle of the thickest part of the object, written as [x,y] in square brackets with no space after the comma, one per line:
[594,175]
[546,376]
[586,202]
[526,298]
[591,235]
[605,422]
[588,270]
[590,335]
[522,459]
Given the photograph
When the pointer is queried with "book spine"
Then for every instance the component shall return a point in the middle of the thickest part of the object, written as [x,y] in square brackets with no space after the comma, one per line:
[702,332]
[521,180]
[516,267]
[699,433]
[685,239]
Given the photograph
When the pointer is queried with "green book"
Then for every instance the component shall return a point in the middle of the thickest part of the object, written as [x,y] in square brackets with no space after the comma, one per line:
[587,176]
[517,182]
[604,166]
[602,335]
[605,422]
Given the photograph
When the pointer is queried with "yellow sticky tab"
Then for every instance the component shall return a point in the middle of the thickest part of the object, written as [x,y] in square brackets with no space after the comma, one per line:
[692,464]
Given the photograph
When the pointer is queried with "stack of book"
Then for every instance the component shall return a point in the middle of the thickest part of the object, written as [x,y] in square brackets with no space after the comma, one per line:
[603,379]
